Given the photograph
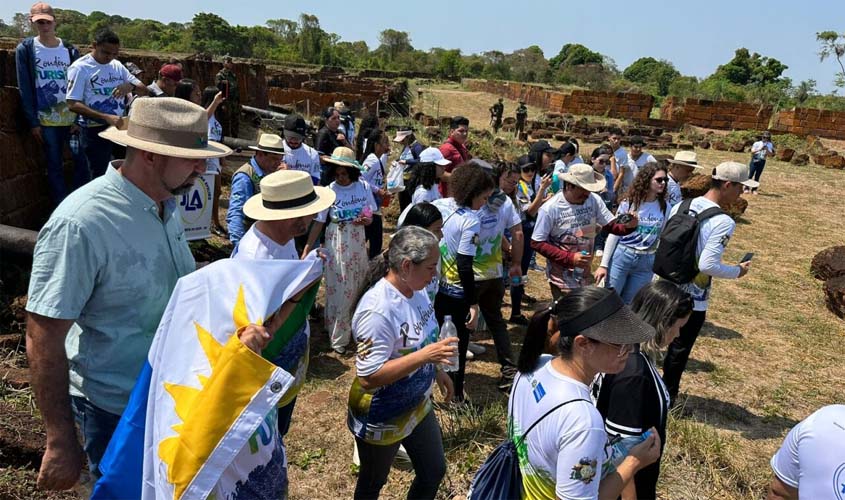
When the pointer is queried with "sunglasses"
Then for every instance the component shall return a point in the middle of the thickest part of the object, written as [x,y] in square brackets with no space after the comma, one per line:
[623,349]
[603,162]
[529,168]
[43,21]
[661,180]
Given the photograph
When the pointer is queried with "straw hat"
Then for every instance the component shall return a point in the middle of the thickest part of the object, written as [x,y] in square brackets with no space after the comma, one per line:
[685,158]
[344,157]
[585,177]
[270,143]
[168,126]
[288,194]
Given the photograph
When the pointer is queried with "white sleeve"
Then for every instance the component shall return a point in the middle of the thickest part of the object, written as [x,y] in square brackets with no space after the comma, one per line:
[375,337]
[128,76]
[322,216]
[579,461]
[371,200]
[76,79]
[469,237]
[511,214]
[612,239]
[543,225]
[785,462]
[757,147]
[710,260]
[418,196]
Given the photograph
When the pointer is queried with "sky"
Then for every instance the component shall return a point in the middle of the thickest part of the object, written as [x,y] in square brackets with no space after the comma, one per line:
[695,37]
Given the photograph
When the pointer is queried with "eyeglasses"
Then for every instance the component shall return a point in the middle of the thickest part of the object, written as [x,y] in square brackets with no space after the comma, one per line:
[623,348]
[661,180]
[603,162]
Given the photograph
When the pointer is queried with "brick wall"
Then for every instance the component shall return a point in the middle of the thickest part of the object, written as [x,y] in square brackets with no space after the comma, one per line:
[627,105]
[723,115]
[805,121]
[318,101]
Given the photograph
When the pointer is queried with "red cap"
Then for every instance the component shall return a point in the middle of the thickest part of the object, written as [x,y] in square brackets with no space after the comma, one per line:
[41,11]
[171,71]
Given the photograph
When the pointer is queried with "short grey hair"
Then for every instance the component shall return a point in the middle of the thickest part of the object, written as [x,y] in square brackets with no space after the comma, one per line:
[410,243]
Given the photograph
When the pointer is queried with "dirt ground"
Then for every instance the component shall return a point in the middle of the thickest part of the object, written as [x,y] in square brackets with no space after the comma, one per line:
[769,355]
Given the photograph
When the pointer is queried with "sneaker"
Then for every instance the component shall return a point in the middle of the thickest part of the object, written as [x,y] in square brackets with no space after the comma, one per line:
[339,350]
[476,349]
[518,319]
[599,253]
[536,267]
[506,380]
[470,355]
[402,461]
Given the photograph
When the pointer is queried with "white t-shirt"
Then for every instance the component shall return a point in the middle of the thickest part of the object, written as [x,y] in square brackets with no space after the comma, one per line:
[257,245]
[215,133]
[714,235]
[92,84]
[571,228]
[304,158]
[422,194]
[565,454]
[374,172]
[643,159]
[487,264]
[349,203]
[812,457]
[460,236]
[673,191]
[51,64]
[651,222]
[759,149]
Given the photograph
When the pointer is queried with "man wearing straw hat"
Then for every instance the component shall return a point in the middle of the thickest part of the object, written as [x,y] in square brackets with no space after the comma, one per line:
[103,270]
[246,179]
[283,210]
[680,169]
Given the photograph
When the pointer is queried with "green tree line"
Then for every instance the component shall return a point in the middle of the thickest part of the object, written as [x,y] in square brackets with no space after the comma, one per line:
[748,77]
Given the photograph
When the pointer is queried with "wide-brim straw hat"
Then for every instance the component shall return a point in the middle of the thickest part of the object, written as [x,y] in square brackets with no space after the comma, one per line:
[609,320]
[270,143]
[168,126]
[686,158]
[344,157]
[288,194]
[585,177]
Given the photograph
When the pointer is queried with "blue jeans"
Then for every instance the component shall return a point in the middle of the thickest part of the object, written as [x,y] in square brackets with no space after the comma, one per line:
[55,139]
[98,151]
[97,426]
[755,169]
[630,271]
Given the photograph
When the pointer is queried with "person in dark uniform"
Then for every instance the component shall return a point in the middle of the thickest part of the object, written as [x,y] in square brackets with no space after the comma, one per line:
[227,82]
[521,115]
[496,112]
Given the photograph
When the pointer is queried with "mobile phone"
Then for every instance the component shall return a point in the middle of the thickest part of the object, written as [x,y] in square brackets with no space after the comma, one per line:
[747,257]
[624,219]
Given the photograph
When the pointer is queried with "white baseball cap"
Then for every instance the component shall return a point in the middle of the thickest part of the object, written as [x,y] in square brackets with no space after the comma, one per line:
[732,171]
[433,155]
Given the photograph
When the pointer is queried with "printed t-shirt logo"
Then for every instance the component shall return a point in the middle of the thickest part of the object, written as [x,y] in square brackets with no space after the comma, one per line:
[839,482]
[584,470]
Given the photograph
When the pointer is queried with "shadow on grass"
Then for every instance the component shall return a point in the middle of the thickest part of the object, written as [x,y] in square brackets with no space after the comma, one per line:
[696,366]
[770,195]
[326,367]
[719,332]
[732,417]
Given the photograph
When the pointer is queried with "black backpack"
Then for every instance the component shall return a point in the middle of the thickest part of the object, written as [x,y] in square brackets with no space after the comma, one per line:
[676,258]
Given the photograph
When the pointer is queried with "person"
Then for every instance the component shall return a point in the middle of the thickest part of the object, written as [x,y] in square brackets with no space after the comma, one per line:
[728,179]
[227,81]
[567,452]
[639,157]
[531,191]
[760,150]
[103,269]
[454,150]
[809,463]
[97,85]
[521,116]
[376,176]
[680,169]
[425,174]
[246,182]
[635,399]
[283,210]
[633,255]
[543,155]
[577,158]
[619,166]
[408,158]
[566,228]
[507,177]
[328,139]
[298,155]
[496,112]
[347,122]
[396,365]
[346,261]
[457,296]
[368,124]
[41,63]
[600,160]
[169,77]
[427,216]
[566,158]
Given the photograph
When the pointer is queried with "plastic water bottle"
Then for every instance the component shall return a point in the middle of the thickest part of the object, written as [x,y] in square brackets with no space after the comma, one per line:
[74,143]
[579,271]
[622,446]
[447,330]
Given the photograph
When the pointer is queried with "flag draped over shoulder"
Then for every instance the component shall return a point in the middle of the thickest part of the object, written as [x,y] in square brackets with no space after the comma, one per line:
[201,420]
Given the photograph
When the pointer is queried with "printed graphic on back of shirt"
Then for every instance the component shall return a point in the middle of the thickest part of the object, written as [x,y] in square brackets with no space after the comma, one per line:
[51,87]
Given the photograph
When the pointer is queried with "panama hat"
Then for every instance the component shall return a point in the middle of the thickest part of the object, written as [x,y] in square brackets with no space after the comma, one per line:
[288,194]
[168,126]
[270,143]
[608,320]
[344,157]
[685,158]
[585,177]
[732,171]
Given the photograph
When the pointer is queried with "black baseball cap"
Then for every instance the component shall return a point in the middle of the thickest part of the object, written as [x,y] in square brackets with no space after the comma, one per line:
[541,147]
[295,127]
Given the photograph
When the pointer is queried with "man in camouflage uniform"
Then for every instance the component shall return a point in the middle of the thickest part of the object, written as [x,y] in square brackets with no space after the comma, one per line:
[227,82]
[521,115]
[496,112]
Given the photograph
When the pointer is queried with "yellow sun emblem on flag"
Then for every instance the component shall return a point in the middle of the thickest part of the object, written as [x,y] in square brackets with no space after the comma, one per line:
[207,413]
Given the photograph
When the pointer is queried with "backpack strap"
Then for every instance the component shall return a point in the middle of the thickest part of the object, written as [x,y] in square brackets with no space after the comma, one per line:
[524,435]
[707,214]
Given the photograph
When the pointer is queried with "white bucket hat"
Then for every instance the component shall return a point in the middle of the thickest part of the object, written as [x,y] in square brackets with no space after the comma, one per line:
[585,177]
[288,194]
[170,127]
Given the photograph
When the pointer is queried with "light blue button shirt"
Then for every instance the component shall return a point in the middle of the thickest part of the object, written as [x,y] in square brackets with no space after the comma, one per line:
[108,261]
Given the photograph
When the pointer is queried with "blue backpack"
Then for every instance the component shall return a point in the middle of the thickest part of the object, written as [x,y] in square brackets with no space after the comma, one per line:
[499,476]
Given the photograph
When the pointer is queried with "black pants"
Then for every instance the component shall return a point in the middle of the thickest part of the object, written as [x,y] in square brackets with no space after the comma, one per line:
[678,353]
[490,296]
[404,198]
[374,234]
[425,448]
[444,305]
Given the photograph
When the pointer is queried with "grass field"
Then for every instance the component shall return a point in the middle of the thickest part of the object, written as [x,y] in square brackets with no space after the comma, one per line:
[769,355]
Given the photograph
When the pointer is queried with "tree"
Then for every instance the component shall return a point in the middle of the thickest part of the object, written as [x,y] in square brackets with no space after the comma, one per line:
[312,40]
[574,54]
[211,33]
[496,65]
[747,68]
[653,73]
[833,44]
[392,43]
[284,28]
[529,65]
[804,91]
[448,63]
